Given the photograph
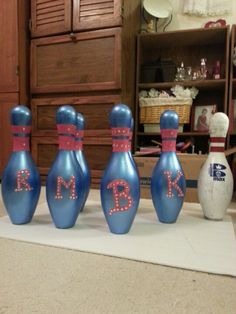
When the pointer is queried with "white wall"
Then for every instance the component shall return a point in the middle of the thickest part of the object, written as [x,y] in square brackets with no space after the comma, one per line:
[182,21]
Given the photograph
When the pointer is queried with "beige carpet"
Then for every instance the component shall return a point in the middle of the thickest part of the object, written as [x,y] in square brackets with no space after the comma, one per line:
[191,243]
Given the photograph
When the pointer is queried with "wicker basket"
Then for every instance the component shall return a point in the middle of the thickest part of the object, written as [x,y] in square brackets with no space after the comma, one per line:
[152,108]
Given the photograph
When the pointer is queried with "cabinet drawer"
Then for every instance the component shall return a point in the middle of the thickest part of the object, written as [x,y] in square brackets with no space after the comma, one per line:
[95,109]
[81,62]
[44,151]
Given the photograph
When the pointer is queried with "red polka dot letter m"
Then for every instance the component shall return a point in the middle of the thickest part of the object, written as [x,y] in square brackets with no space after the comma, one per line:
[68,185]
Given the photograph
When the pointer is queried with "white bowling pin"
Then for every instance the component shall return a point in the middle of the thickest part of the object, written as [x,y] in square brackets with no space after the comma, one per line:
[215,182]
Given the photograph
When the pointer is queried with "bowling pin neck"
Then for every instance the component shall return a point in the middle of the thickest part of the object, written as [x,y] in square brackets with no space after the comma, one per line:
[66,134]
[130,135]
[217,144]
[79,137]
[130,139]
[168,140]
[21,138]
[120,132]
[120,140]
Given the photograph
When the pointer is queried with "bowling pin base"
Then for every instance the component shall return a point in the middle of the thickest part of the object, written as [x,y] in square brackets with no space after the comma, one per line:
[164,221]
[64,227]
[20,221]
[120,232]
[167,218]
[214,219]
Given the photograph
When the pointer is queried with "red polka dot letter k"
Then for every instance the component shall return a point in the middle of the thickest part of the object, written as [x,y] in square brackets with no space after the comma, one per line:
[173,184]
[21,180]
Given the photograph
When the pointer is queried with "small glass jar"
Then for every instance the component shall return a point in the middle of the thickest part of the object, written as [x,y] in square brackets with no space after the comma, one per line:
[203,69]
[216,71]
[189,75]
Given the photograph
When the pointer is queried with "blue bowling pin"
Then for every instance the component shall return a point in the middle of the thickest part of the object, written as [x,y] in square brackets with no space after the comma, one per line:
[168,183]
[131,133]
[79,136]
[120,190]
[130,139]
[21,179]
[64,185]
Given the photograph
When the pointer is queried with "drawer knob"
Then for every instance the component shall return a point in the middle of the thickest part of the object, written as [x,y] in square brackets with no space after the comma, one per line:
[73,36]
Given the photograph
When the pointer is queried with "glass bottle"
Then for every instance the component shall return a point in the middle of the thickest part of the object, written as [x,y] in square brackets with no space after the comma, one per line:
[189,75]
[216,71]
[182,72]
[203,69]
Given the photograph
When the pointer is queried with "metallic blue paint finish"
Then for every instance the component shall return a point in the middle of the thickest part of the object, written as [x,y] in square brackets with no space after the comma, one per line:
[120,167]
[20,205]
[80,125]
[65,211]
[167,208]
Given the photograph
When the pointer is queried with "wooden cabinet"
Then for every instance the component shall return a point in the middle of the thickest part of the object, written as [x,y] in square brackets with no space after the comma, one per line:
[97,138]
[44,150]
[7,102]
[232,89]
[94,14]
[92,69]
[87,61]
[95,109]
[62,16]
[50,17]
[13,67]
[8,52]
[187,46]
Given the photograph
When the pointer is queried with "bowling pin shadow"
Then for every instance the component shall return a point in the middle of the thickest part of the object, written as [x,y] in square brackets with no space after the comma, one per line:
[146,223]
[43,219]
[92,217]
[91,223]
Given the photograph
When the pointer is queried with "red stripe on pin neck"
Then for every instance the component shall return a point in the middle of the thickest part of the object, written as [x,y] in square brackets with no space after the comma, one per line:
[121,145]
[66,143]
[217,140]
[25,129]
[79,133]
[168,146]
[20,144]
[78,145]
[169,133]
[217,144]
[66,128]
[120,132]
[169,140]
[217,149]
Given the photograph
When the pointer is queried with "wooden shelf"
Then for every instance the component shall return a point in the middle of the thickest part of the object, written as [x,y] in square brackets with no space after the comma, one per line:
[179,134]
[194,37]
[187,46]
[234,85]
[200,84]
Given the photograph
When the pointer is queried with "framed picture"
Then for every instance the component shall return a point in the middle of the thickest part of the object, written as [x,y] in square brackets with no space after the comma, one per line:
[201,116]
